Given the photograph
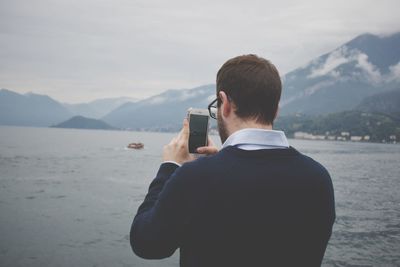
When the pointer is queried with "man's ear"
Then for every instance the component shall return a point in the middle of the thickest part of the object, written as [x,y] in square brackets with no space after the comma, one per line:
[226,105]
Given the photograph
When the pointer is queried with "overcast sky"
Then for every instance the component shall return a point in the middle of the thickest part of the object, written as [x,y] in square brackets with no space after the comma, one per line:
[81,50]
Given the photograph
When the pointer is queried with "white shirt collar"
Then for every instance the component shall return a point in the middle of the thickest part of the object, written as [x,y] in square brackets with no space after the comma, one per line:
[253,139]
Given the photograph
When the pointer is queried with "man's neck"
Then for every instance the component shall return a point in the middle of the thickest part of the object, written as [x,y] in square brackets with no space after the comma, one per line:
[245,124]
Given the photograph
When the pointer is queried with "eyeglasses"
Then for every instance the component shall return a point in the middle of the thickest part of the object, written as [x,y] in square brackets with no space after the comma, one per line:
[213,109]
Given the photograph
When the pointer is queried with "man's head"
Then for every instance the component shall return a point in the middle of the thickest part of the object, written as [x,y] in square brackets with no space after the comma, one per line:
[252,87]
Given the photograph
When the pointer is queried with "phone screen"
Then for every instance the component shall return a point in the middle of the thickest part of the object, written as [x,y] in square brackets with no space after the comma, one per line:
[198,126]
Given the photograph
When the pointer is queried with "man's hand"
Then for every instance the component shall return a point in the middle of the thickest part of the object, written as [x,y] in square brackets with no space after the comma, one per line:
[210,149]
[178,149]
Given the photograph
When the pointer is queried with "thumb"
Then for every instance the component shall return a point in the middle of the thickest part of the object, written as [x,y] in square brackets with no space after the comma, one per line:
[207,150]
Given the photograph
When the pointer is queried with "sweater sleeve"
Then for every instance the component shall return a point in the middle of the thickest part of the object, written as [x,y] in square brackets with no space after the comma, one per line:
[155,231]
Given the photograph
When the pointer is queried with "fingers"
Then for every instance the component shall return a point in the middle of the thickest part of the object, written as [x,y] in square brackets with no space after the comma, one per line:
[177,150]
[178,147]
[174,140]
[185,129]
[207,150]
[210,149]
[184,133]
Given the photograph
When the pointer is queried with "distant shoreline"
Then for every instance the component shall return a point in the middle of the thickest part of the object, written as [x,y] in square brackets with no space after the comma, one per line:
[212,133]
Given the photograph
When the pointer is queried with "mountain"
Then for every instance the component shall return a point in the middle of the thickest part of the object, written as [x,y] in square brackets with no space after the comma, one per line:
[98,108]
[40,110]
[383,103]
[79,122]
[337,81]
[341,79]
[163,112]
[30,109]
[334,82]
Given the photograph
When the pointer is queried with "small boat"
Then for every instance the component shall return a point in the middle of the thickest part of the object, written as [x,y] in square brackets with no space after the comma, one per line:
[136,145]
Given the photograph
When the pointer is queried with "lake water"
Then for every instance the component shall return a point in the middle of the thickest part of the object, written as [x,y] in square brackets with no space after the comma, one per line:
[68,197]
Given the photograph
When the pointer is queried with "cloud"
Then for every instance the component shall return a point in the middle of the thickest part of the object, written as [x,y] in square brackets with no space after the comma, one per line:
[334,60]
[157,100]
[394,74]
[187,94]
[372,72]
[344,55]
[311,90]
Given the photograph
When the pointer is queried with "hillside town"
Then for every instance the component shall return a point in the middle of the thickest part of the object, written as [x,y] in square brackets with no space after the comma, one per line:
[344,136]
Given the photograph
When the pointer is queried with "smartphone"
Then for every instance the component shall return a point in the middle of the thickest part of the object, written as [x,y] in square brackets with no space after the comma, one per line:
[198,128]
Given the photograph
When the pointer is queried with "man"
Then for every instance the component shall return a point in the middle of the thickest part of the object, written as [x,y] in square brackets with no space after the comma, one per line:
[256,202]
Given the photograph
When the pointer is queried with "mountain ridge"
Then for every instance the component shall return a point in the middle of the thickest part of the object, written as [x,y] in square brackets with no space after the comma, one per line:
[30,109]
[162,112]
[387,103]
[340,79]
[333,82]
[99,107]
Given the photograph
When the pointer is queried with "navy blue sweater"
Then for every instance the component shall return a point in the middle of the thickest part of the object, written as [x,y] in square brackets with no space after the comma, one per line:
[271,207]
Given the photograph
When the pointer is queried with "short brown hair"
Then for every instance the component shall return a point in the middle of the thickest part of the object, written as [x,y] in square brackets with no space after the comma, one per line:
[253,84]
